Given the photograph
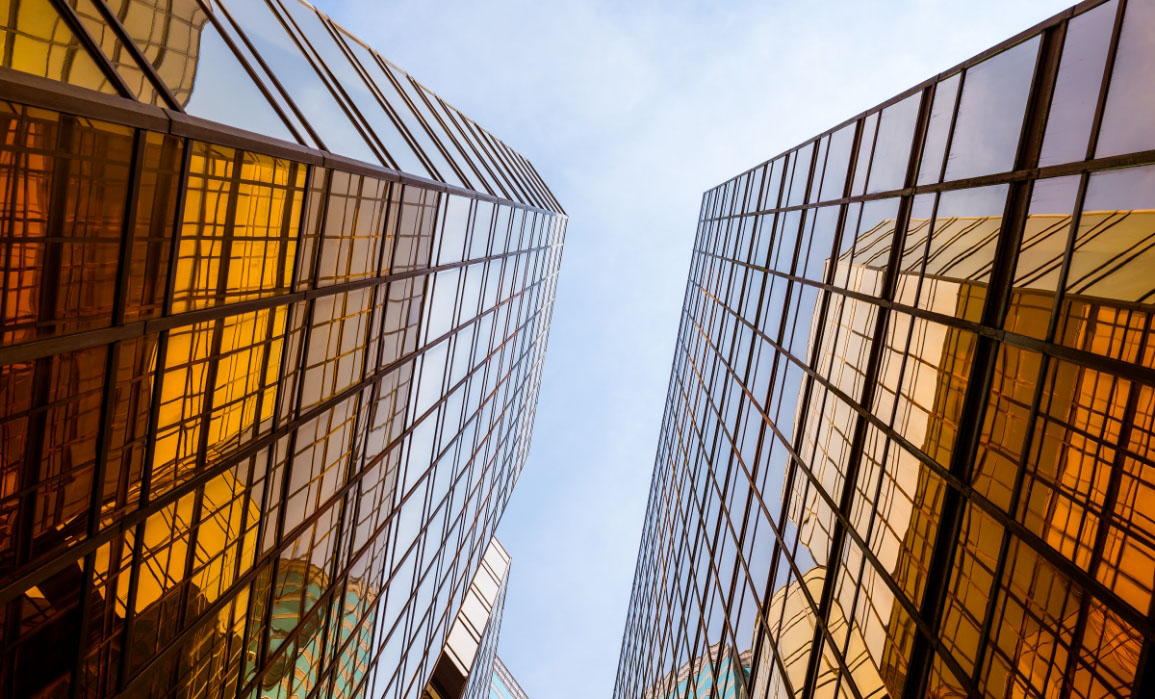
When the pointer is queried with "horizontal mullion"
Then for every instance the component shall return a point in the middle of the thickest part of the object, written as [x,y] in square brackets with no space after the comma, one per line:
[87,339]
[1083,358]
[40,92]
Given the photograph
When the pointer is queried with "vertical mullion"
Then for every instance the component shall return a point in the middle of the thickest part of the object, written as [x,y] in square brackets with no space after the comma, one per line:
[983,361]
[108,397]
[138,56]
[329,80]
[153,416]
[389,109]
[453,139]
[461,124]
[870,381]
[88,44]
[265,67]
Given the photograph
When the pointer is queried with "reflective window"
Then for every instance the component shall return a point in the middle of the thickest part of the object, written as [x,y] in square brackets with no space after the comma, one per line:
[837,161]
[938,131]
[1112,252]
[892,145]
[1041,254]
[63,191]
[123,62]
[1078,85]
[354,86]
[238,238]
[1128,93]
[300,79]
[990,113]
[37,40]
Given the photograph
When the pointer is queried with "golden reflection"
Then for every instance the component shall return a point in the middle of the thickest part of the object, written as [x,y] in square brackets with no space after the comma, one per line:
[144,415]
[1087,470]
[168,33]
[239,236]
[63,190]
[35,39]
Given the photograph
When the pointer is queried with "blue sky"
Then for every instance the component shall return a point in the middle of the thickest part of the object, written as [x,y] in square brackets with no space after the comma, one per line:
[630,110]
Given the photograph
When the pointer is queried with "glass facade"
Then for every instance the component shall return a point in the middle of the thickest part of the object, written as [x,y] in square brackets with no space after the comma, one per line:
[272,324]
[907,446]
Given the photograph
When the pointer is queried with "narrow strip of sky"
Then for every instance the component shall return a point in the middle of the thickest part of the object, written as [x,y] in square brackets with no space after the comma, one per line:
[630,111]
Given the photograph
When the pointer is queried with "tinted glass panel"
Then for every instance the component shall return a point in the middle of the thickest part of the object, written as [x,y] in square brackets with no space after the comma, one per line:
[1078,85]
[941,115]
[990,114]
[300,79]
[892,149]
[35,39]
[1130,91]
[353,84]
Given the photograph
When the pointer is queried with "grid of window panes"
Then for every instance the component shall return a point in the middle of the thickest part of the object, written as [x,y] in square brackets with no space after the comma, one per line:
[908,442]
[261,407]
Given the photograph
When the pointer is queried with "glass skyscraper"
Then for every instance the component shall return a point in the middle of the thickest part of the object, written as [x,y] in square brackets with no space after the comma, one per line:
[909,444]
[503,685]
[272,322]
[466,665]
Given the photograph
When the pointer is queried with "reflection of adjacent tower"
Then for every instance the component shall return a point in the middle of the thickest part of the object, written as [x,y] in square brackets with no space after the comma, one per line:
[716,674]
[298,587]
[1077,439]
[39,41]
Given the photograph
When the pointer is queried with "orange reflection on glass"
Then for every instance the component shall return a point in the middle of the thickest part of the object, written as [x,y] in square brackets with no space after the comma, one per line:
[63,190]
[241,216]
[35,39]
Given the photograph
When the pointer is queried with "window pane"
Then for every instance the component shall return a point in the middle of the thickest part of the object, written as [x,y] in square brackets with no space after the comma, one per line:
[990,115]
[35,39]
[355,87]
[945,94]
[300,80]
[962,251]
[1113,256]
[1130,94]
[892,151]
[837,160]
[1041,254]
[1077,87]
[63,190]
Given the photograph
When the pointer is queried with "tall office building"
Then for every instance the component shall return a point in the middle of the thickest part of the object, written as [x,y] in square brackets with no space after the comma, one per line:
[272,320]
[909,443]
[503,685]
[466,664]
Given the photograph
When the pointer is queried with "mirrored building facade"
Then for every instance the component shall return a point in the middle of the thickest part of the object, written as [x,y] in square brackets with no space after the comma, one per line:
[272,322]
[908,443]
